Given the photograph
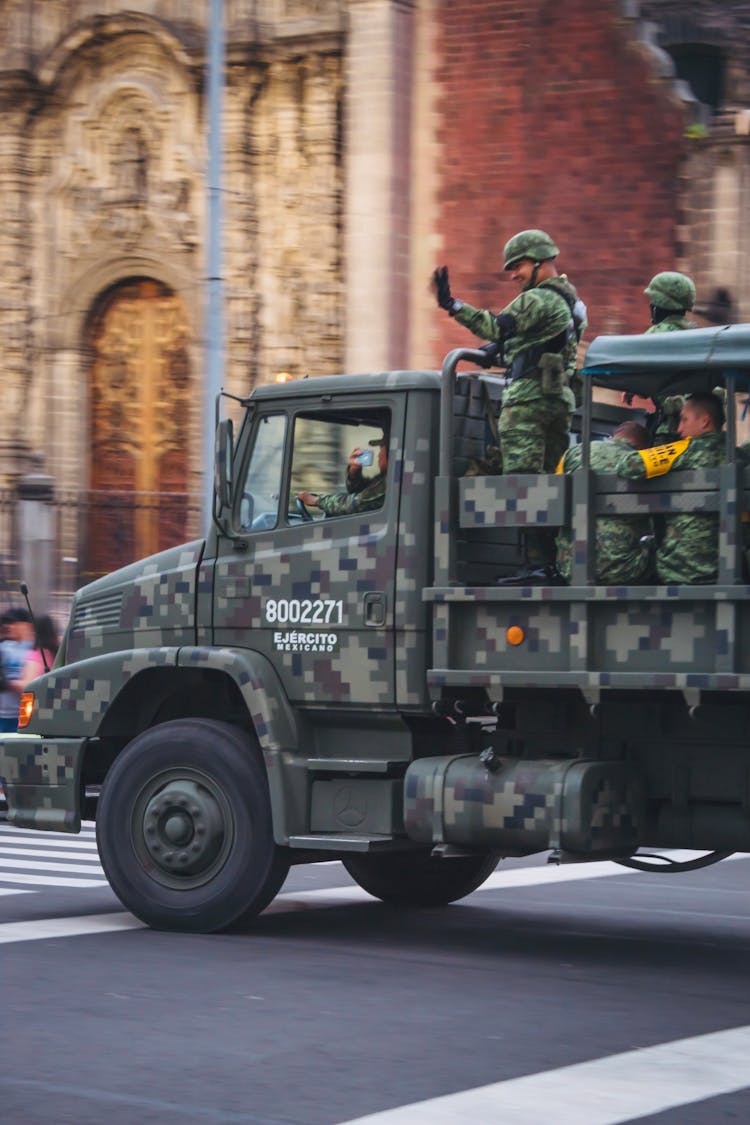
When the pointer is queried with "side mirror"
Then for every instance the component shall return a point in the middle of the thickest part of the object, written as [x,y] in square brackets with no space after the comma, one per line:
[223,457]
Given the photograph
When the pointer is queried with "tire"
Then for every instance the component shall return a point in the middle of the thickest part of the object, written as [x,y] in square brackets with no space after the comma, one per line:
[184,827]
[416,879]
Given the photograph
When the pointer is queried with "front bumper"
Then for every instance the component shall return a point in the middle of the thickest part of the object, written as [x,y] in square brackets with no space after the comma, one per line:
[42,780]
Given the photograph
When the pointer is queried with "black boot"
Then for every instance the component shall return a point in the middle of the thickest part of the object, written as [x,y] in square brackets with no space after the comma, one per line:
[547,575]
[540,565]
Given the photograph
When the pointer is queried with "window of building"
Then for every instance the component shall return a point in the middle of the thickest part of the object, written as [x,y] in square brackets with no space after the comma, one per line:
[703,67]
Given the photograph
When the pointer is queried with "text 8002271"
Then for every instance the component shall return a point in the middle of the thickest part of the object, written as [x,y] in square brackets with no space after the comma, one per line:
[305,611]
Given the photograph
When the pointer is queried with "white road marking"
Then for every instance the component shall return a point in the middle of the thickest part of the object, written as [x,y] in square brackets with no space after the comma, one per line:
[605,1091]
[572,872]
[50,853]
[68,927]
[34,865]
[88,832]
[42,840]
[49,881]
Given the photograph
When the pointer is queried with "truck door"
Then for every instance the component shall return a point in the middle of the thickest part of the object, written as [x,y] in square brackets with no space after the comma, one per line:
[312,587]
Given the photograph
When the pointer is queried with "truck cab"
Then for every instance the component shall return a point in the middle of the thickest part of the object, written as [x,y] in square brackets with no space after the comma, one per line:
[349,681]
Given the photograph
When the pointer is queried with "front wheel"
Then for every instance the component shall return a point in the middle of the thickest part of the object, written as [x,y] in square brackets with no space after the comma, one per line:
[184,827]
[417,879]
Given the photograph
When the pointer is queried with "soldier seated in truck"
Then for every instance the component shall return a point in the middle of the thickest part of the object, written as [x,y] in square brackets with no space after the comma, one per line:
[362,494]
[623,554]
[689,550]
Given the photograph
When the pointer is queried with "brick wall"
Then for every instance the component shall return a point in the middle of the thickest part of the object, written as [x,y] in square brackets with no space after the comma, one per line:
[552,115]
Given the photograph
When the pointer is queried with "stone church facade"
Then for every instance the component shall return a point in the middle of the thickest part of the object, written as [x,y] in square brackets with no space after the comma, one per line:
[365,141]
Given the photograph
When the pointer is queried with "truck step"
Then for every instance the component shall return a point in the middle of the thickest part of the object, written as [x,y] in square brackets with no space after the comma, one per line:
[356,765]
[335,842]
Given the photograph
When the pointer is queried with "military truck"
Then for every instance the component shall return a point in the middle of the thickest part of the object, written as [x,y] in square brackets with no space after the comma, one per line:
[298,687]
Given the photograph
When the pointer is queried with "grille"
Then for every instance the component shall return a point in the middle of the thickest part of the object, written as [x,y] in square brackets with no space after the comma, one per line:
[102,612]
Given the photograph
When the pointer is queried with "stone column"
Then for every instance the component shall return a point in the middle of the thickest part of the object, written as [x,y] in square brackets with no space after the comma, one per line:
[68,447]
[378,148]
[16,95]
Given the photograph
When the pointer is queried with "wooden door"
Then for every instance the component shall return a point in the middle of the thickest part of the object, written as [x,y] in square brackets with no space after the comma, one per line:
[139,418]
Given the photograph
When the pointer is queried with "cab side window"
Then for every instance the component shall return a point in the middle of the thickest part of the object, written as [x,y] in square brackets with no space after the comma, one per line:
[259,497]
[338,464]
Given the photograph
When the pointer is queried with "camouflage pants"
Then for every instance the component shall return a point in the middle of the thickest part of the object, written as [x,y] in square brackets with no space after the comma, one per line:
[533,437]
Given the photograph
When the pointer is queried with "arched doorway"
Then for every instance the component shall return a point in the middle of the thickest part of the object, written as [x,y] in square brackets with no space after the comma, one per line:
[139,420]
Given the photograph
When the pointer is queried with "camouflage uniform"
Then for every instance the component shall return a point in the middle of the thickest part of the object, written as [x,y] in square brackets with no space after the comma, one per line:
[674,292]
[538,336]
[668,407]
[676,322]
[534,423]
[689,551]
[621,558]
[360,496]
[535,419]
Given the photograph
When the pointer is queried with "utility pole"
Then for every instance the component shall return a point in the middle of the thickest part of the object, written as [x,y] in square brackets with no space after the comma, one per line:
[214,375]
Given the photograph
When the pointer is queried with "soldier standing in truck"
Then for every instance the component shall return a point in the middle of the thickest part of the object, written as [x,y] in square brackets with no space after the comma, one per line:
[536,338]
[689,550]
[671,296]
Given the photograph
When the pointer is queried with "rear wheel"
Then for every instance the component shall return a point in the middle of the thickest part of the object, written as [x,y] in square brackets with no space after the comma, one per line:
[184,827]
[416,879]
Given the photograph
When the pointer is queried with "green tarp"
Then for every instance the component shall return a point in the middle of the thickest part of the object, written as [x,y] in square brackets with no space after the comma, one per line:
[697,359]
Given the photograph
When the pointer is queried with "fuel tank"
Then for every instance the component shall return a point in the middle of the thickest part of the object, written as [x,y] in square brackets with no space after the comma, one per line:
[521,806]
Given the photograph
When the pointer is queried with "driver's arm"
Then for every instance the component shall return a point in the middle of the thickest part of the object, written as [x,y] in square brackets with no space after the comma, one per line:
[332,503]
[309,499]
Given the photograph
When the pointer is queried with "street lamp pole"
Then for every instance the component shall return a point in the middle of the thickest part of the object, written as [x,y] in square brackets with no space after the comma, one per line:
[214,374]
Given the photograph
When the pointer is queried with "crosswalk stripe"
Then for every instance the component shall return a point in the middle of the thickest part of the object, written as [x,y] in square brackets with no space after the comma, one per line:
[50,880]
[44,928]
[47,853]
[42,840]
[87,831]
[58,857]
[605,1091]
[47,865]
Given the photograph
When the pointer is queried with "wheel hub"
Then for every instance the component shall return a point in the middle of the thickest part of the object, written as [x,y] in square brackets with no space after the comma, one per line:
[183,828]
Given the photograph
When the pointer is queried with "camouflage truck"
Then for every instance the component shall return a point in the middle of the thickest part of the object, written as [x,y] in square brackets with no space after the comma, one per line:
[296,688]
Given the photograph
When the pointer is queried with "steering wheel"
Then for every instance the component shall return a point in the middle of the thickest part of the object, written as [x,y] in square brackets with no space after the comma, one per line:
[303,511]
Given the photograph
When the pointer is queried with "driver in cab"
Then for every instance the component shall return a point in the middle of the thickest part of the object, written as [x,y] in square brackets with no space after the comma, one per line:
[362,494]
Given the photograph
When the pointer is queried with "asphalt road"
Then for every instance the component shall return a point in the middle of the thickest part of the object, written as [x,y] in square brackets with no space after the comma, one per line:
[581,995]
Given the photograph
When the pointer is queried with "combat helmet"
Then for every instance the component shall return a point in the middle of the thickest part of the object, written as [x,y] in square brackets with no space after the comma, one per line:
[533,244]
[671,290]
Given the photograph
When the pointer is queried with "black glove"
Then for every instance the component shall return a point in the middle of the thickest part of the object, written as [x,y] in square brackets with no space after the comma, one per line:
[441,288]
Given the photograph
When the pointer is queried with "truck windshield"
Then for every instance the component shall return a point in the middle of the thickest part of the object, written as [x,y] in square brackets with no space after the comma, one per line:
[261,488]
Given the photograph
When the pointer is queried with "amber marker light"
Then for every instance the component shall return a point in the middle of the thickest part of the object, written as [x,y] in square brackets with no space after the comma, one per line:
[25,709]
[284,377]
[515,635]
